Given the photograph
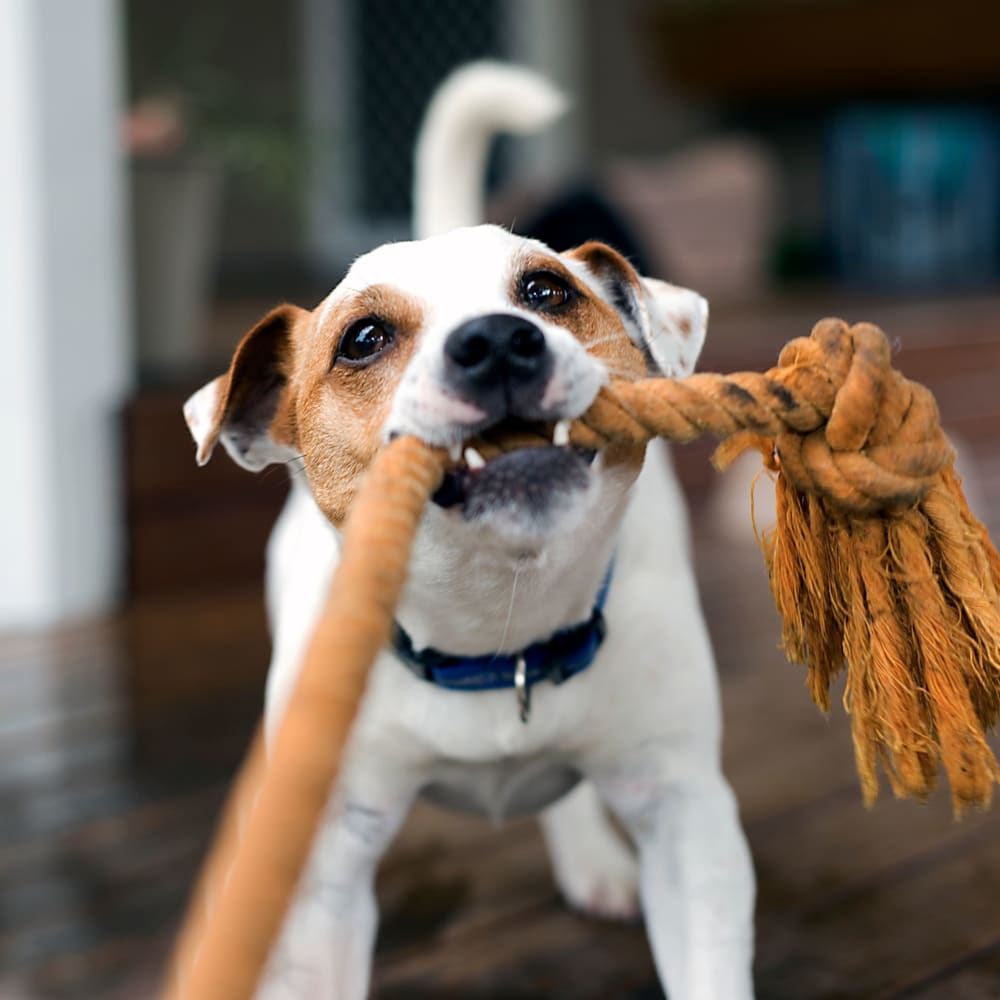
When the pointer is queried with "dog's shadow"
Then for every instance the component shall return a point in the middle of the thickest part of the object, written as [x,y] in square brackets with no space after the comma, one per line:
[415,916]
[439,938]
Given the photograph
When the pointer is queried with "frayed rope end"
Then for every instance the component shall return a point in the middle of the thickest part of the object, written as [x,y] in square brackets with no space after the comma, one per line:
[906,602]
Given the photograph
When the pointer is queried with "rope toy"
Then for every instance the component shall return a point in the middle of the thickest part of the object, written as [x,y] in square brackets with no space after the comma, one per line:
[876,565]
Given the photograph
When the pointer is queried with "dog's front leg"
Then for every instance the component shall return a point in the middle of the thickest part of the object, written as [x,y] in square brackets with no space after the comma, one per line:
[594,868]
[325,948]
[696,884]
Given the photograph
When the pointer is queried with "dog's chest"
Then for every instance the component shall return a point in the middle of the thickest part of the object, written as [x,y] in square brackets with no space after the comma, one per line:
[511,786]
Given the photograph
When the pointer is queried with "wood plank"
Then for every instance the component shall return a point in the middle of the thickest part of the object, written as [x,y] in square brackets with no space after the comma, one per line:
[973,976]
[875,938]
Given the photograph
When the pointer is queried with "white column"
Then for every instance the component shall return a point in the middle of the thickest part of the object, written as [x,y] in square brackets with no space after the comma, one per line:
[65,360]
[548,36]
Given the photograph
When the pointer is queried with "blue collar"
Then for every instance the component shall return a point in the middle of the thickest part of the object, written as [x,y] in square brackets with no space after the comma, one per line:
[556,659]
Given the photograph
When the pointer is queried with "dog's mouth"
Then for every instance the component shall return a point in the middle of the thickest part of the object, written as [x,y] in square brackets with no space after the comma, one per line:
[511,466]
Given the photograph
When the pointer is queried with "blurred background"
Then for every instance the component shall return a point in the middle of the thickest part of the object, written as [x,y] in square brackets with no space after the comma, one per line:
[168,172]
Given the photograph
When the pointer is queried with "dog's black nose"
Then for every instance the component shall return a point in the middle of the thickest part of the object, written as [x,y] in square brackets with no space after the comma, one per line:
[497,352]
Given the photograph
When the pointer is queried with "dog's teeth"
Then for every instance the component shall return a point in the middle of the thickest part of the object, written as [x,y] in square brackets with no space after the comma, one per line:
[473,459]
[455,452]
[560,435]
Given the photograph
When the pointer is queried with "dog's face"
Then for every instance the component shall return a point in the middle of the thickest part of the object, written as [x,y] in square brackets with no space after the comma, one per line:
[474,333]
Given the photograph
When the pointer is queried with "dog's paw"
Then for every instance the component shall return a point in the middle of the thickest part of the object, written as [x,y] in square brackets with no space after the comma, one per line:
[600,877]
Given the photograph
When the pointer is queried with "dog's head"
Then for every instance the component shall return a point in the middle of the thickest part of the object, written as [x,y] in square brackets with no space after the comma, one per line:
[477,332]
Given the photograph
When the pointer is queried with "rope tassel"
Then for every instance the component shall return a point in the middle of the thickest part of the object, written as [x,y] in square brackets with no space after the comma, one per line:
[876,564]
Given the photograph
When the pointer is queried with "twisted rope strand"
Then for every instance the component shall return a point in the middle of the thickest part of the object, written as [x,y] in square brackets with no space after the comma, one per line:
[250,878]
[846,426]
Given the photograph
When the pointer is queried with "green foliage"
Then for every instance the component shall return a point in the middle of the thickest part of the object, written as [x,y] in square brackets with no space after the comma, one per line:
[229,68]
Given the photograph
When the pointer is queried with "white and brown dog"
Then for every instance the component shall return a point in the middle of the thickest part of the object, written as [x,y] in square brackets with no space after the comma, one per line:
[551,654]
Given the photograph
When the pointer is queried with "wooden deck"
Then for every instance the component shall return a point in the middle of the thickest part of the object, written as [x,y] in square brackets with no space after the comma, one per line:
[108,789]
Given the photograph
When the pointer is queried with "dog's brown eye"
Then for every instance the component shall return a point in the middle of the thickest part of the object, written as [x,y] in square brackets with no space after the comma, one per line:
[544,290]
[363,342]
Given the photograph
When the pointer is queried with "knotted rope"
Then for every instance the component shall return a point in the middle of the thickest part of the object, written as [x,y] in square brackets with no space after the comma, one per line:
[876,565]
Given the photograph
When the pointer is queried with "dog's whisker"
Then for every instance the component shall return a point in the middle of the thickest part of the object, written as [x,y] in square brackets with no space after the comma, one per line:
[510,607]
[617,371]
[612,369]
[601,340]
[295,466]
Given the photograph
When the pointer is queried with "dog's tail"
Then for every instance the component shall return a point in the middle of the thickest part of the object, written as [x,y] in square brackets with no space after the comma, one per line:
[468,109]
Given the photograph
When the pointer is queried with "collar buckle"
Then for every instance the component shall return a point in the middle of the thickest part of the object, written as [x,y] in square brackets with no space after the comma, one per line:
[522,689]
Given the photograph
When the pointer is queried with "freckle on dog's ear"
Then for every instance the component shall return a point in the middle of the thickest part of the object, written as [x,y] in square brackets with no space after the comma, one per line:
[678,321]
[247,408]
[666,322]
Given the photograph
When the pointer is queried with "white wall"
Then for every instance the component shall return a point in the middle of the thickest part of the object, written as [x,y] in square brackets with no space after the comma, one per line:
[63,346]
[549,37]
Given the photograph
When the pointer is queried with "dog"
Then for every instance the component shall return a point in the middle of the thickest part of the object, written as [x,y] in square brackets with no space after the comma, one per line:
[550,653]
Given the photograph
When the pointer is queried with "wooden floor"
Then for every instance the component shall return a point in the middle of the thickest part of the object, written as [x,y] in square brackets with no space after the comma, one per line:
[108,790]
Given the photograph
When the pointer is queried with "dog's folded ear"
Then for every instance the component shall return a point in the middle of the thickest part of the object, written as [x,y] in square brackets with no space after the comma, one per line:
[248,408]
[666,322]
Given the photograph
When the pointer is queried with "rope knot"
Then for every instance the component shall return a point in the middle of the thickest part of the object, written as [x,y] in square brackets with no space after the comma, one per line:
[881,445]
[847,427]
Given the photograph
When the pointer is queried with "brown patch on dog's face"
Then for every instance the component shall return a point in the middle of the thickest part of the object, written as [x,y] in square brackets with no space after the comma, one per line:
[595,323]
[295,389]
[341,407]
